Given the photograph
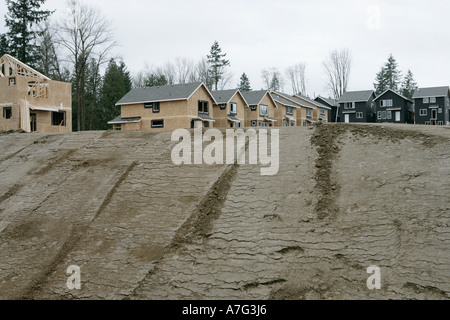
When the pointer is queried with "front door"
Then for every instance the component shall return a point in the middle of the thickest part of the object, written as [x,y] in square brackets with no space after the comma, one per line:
[397,116]
[433,116]
[33,125]
[347,118]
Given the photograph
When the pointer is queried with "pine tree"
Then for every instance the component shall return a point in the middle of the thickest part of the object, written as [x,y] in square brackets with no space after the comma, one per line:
[244,85]
[275,83]
[115,85]
[388,77]
[217,62]
[22,16]
[409,85]
[4,48]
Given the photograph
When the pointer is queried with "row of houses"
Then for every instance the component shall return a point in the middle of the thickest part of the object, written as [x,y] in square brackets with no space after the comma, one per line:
[193,105]
[429,106]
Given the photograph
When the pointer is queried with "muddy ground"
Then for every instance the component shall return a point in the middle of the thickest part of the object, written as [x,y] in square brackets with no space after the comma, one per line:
[346,197]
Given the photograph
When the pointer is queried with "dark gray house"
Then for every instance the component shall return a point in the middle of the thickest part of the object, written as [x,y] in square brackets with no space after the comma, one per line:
[331,103]
[392,107]
[432,106]
[357,107]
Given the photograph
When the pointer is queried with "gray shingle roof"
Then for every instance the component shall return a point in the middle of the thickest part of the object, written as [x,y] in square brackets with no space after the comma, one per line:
[431,92]
[162,93]
[223,96]
[254,97]
[316,103]
[283,101]
[356,96]
[331,102]
[295,100]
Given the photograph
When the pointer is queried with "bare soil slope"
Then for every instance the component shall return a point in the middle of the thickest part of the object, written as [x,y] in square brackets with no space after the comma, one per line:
[346,197]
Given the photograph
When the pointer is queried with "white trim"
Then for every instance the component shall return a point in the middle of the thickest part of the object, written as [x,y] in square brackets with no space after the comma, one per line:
[290,99]
[124,121]
[206,120]
[433,107]
[379,96]
[349,112]
[393,109]
[209,92]
[232,120]
[44,109]
[153,101]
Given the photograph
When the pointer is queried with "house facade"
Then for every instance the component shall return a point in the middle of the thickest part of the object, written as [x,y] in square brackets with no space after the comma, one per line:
[357,107]
[261,110]
[431,106]
[333,115]
[230,110]
[286,113]
[391,107]
[320,112]
[306,113]
[166,108]
[31,101]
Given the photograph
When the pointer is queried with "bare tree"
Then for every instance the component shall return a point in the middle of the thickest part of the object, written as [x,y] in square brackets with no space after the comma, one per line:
[85,34]
[225,79]
[183,69]
[296,75]
[337,67]
[272,79]
[201,73]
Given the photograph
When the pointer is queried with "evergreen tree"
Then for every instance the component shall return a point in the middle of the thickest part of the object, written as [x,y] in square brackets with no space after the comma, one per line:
[156,80]
[244,85]
[115,85]
[22,16]
[217,62]
[409,85]
[388,77]
[4,48]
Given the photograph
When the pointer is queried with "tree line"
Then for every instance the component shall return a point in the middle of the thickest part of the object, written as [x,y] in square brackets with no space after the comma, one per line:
[78,47]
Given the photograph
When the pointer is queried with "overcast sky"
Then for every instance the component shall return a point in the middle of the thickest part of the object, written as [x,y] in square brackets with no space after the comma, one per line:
[258,34]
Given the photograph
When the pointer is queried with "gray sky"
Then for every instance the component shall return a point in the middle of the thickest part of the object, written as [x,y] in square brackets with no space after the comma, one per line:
[258,34]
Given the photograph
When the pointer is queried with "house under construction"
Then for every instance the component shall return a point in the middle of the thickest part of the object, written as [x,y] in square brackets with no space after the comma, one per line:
[31,101]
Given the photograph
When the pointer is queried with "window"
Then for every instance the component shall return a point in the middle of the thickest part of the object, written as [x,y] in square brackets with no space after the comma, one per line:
[59,118]
[427,123]
[426,100]
[389,115]
[203,107]
[253,107]
[254,123]
[7,112]
[322,111]
[157,123]
[304,123]
[292,123]
[233,108]
[433,100]
[263,110]
[12,81]
[285,123]
[423,112]
[379,115]
[383,115]
[308,113]
[440,110]
[156,107]
[206,124]
[289,111]
[440,123]
[386,103]
[349,105]
[359,115]
[223,106]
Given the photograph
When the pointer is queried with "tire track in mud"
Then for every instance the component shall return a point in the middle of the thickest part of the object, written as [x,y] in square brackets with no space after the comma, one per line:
[74,238]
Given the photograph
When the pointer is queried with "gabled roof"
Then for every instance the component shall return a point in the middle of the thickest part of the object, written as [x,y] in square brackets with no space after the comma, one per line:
[431,92]
[13,66]
[162,93]
[225,96]
[294,100]
[356,96]
[283,101]
[392,92]
[256,97]
[330,102]
[315,103]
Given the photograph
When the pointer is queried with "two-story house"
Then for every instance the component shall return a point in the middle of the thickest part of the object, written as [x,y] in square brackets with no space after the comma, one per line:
[31,101]
[357,106]
[392,107]
[432,106]
[306,113]
[286,113]
[320,113]
[261,111]
[166,108]
[229,112]
[333,115]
